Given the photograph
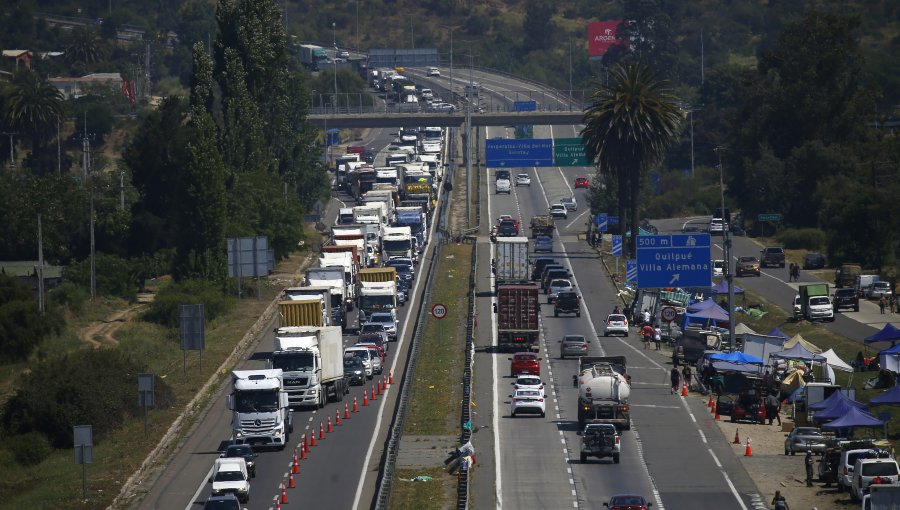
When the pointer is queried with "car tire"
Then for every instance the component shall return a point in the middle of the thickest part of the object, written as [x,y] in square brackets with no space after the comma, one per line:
[543,415]
[616,458]
[577,314]
[606,334]
[583,458]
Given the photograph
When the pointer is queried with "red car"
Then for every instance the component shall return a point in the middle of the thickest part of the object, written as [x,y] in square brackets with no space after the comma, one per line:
[627,502]
[524,363]
[582,182]
[508,217]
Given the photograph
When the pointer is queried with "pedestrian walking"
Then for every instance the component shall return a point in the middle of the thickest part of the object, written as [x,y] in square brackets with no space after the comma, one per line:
[675,377]
[647,335]
[779,503]
[791,272]
[796,272]
[809,468]
[772,408]
[882,303]
[657,337]
[687,374]
[892,303]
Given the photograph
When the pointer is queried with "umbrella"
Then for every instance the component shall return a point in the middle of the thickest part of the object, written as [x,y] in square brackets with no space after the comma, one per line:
[777,332]
[832,399]
[854,418]
[891,396]
[888,333]
[738,358]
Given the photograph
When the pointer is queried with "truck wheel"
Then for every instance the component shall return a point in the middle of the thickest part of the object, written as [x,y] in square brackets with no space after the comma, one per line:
[322,397]
[583,458]
[616,458]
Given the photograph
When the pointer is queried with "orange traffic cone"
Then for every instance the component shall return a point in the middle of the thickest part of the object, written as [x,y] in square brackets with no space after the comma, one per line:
[684,390]
[710,403]
[365,398]
[347,411]
[391,377]
[330,430]
[296,467]
[291,483]
[305,442]
[302,453]
[355,406]
[321,431]
[737,438]
[337,417]
[749,451]
[373,394]
[717,418]
[712,408]
[380,388]
[277,504]
[312,439]
[283,493]
[384,382]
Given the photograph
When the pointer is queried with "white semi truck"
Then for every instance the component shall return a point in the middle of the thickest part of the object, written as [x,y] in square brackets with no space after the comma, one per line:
[345,261]
[261,414]
[398,242]
[376,297]
[312,360]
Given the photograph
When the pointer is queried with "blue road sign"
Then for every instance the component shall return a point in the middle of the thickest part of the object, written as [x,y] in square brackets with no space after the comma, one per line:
[601,220]
[505,152]
[677,260]
[631,272]
[524,106]
[617,245]
[613,221]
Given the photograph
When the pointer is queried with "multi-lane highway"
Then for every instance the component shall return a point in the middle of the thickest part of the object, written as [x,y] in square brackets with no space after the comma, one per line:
[674,455]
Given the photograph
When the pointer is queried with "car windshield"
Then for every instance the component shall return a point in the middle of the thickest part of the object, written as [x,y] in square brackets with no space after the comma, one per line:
[361,353]
[818,301]
[229,476]
[616,318]
[528,393]
[383,318]
[372,327]
[560,283]
[626,500]
[529,381]
[747,259]
[887,468]
[222,504]
[369,338]
[352,362]
[808,431]
[573,338]
[882,285]
[525,357]
[238,451]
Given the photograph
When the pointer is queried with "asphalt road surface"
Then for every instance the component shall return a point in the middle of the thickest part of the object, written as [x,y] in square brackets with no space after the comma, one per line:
[671,456]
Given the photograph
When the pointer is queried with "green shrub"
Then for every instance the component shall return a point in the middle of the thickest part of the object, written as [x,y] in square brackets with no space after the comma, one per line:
[166,307]
[70,295]
[22,327]
[29,449]
[811,239]
[115,276]
[96,386]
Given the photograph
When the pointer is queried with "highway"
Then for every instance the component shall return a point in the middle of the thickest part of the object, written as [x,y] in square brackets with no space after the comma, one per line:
[338,472]
[674,455]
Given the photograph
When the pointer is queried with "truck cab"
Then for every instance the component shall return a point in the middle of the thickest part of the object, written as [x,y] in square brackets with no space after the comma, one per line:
[260,409]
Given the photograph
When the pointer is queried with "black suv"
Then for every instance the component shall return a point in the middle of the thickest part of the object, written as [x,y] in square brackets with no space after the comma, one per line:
[244,451]
[771,256]
[567,302]
[538,266]
[846,298]
[507,228]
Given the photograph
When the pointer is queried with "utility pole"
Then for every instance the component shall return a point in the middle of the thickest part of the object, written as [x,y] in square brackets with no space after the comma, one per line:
[570,68]
[334,64]
[692,140]
[12,156]
[701,57]
[58,150]
[122,191]
[40,268]
[726,233]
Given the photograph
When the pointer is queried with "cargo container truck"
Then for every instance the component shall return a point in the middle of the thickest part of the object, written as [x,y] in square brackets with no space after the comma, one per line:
[512,264]
[398,242]
[334,303]
[377,291]
[312,361]
[417,221]
[332,277]
[542,226]
[518,311]
[303,311]
[603,391]
[312,56]
[346,261]
[261,413]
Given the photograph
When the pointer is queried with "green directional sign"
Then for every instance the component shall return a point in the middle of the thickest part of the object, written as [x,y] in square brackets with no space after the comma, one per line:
[768,217]
[569,152]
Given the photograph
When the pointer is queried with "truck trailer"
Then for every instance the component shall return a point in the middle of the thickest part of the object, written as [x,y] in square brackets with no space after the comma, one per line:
[518,311]
[312,361]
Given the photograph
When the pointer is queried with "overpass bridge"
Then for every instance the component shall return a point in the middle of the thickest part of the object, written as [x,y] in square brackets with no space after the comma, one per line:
[393,119]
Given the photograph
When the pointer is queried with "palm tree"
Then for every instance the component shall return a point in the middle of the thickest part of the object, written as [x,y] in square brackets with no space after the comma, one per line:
[34,106]
[85,47]
[627,128]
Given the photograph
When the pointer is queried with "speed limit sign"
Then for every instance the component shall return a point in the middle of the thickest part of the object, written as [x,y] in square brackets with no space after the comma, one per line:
[439,311]
[668,314]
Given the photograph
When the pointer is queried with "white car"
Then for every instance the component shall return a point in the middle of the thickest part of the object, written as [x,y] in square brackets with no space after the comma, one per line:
[616,324]
[718,268]
[526,401]
[559,211]
[523,180]
[344,54]
[502,186]
[570,203]
[230,475]
[434,71]
[557,286]
[442,107]
[387,320]
[529,382]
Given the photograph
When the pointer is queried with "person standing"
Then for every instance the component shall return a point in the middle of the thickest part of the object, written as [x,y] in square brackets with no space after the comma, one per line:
[796,272]
[881,304]
[647,335]
[772,405]
[687,374]
[892,303]
[779,503]
[675,378]
[646,317]
[809,467]
[791,272]
[657,336]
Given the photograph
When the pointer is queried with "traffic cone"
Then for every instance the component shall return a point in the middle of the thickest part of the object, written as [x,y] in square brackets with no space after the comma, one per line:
[277,504]
[384,382]
[355,406]
[373,393]
[710,403]
[321,431]
[716,417]
[305,442]
[684,390]
[337,417]
[330,430]
[365,398]
[283,493]
[296,467]
[379,387]
[748,452]
[712,408]
[737,438]
[391,377]
[291,483]
[347,410]
[312,439]
[302,453]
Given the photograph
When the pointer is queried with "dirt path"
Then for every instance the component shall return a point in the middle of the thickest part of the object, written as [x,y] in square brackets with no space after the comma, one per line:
[101,333]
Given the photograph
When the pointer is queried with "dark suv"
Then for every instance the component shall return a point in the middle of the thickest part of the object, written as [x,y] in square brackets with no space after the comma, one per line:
[538,265]
[846,298]
[771,256]
[567,302]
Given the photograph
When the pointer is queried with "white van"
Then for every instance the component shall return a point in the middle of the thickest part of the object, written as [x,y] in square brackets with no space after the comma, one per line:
[230,475]
[503,186]
[868,470]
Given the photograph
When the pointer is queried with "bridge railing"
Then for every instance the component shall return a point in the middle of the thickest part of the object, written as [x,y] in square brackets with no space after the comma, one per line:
[355,104]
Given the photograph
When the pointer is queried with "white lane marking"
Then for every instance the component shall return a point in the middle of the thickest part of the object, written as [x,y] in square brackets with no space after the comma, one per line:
[723,471]
[561,174]
[495,390]
[378,420]
[637,437]
[702,436]
[199,489]
[576,219]
[655,406]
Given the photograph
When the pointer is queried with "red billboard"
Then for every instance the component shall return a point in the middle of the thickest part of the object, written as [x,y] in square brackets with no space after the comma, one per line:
[601,35]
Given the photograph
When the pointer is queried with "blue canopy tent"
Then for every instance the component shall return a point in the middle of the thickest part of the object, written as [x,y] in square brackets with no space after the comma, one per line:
[738,358]
[889,333]
[835,410]
[854,418]
[722,288]
[701,305]
[777,332]
[707,316]
[887,397]
[832,399]
[889,359]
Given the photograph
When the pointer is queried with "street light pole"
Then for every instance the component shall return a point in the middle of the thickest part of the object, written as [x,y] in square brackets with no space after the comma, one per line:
[692,141]
[726,233]
[357,26]
[334,63]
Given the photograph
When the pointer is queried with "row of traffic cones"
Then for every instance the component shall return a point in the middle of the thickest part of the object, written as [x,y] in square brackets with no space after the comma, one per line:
[310,440]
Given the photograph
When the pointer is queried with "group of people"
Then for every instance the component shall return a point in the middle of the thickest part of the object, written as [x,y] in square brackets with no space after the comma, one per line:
[680,378]
[887,303]
[794,272]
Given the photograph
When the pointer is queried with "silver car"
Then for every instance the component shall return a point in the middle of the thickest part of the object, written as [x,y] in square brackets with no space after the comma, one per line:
[802,439]
[557,286]
[570,203]
[573,345]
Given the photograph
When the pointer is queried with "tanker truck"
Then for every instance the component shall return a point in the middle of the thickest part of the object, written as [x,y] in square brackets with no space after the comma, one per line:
[603,391]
